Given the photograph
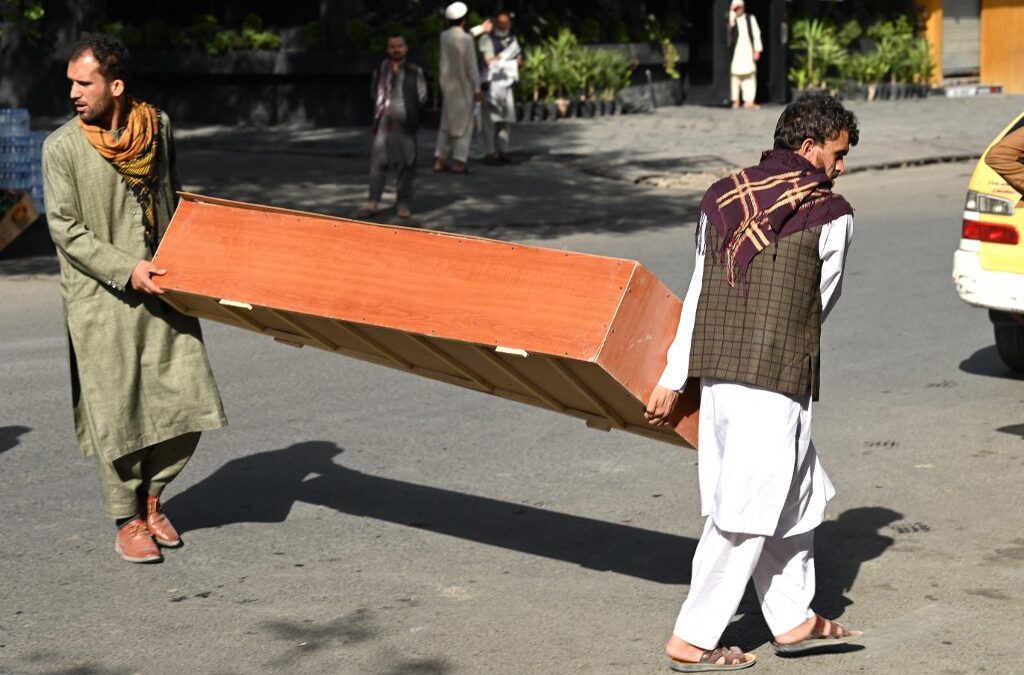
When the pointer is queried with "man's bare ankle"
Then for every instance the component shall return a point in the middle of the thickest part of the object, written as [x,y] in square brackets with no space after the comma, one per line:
[801,632]
[677,648]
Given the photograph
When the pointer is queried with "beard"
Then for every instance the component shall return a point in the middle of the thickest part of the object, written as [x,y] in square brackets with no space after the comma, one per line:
[502,33]
[101,110]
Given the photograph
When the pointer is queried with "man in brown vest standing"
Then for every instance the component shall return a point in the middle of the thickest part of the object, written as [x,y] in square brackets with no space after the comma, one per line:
[771,248]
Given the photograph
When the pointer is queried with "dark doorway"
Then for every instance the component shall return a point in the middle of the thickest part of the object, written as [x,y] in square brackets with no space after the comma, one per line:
[710,57]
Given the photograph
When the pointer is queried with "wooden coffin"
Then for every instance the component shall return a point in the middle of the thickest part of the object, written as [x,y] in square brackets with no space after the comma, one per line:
[579,334]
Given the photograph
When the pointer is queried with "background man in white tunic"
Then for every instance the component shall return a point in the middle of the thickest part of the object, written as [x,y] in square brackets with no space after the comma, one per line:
[460,89]
[750,330]
[745,41]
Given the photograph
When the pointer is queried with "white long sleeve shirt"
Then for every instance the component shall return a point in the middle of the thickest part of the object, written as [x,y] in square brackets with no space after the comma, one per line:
[758,469]
[832,247]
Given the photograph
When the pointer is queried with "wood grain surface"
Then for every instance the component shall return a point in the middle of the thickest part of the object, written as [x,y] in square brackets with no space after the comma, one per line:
[578,334]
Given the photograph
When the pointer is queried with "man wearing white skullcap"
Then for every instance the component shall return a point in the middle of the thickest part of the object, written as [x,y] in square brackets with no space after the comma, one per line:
[460,88]
[745,42]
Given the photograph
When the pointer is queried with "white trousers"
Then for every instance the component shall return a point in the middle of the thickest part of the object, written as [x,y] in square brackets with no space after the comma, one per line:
[495,135]
[745,84]
[458,146]
[783,573]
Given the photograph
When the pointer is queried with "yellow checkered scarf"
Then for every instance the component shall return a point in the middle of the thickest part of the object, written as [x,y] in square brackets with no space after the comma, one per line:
[134,156]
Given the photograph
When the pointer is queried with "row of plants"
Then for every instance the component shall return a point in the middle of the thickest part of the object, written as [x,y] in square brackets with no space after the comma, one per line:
[559,73]
[205,33]
[888,60]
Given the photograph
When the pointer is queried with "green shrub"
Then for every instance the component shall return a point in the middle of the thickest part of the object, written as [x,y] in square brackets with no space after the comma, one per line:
[560,67]
[316,35]
[357,34]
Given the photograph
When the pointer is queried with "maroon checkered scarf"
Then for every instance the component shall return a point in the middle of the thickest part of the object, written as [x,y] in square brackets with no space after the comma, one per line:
[385,83]
[762,204]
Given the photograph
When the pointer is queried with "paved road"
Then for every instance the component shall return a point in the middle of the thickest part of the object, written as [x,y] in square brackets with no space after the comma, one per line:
[357,520]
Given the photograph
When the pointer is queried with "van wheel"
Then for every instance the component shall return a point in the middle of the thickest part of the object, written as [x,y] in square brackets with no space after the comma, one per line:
[1009,330]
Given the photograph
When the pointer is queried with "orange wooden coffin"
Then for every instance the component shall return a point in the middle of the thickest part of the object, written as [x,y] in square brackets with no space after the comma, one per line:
[578,334]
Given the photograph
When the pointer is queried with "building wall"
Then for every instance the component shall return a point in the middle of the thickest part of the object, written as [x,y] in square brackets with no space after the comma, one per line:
[961,38]
[1002,61]
[932,10]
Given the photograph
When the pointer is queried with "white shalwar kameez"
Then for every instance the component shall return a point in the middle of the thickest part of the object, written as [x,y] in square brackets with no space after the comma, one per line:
[459,77]
[743,67]
[762,487]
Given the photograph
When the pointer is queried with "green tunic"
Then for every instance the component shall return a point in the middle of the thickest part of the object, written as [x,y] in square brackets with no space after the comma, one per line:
[139,372]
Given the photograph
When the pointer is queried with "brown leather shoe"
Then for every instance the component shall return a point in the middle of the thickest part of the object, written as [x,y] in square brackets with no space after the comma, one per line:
[135,543]
[158,524]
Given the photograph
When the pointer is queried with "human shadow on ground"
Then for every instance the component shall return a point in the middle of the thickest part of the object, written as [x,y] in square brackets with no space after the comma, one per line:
[841,546]
[9,436]
[986,362]
[1013,430]
[263,487]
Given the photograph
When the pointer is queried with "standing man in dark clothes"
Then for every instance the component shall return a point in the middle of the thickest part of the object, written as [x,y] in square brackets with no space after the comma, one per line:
[399,89]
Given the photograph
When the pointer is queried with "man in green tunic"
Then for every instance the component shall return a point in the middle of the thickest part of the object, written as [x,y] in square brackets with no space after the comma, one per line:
[141,384]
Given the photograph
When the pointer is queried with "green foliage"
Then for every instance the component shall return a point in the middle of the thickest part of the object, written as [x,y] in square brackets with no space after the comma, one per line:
[316,35]
[563,64]
[533,76]
[614,72]
[671,62]
[425,42]
[850,32]
[357,34]
[823,53]
[920,64]
[560,67]
[669,28]
[255,37]
[817,47]
[663,32]
[204,33]
[26,16]
[798,76]
[132,36]
[903,56]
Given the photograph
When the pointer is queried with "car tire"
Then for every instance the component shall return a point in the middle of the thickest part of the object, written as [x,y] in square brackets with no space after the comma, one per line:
[1009,330]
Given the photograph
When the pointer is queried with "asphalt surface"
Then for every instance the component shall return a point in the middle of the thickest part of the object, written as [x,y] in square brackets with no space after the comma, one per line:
[354,519]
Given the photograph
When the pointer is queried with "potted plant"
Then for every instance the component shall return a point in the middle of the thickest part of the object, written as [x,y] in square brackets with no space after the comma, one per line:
[562,70]
[921,66]
[894,39]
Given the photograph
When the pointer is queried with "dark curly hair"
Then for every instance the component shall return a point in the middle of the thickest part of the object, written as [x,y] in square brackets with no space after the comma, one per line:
[819,117]
[109,52]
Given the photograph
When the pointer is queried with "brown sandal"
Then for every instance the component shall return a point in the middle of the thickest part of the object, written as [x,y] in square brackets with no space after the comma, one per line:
[825,633]
[732,659]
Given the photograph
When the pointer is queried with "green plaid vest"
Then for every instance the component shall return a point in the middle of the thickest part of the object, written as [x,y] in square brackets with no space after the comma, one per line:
[772,338]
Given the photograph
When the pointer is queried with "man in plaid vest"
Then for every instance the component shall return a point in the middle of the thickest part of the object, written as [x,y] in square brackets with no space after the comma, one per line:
[771,249]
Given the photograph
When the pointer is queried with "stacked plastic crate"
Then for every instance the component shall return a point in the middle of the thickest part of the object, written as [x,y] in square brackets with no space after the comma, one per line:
[21,154]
